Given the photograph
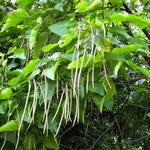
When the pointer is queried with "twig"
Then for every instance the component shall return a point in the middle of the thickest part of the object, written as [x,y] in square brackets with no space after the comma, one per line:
[101,136]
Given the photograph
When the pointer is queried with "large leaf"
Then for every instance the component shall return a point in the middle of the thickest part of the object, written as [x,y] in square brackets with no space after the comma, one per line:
[19,53]
[98,88]
[51,142]
[50,72]
[127,49]
[9,126]
[59,28]
[81,6]
[23,4]
[16,17]
[110,89]
[143,70]
[138,21]
[95,4]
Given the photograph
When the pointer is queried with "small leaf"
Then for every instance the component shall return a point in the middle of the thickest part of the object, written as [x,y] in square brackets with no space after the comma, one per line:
[50,72]
[6,93]
[9,126]
[49,47]
[148,114]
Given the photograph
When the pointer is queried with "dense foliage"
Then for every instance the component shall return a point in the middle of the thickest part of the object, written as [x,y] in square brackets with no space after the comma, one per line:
[74,74]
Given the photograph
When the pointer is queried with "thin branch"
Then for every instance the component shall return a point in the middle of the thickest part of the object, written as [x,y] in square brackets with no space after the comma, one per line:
[101,135]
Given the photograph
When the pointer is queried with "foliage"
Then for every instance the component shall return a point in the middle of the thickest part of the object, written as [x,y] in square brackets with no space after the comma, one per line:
[64,63]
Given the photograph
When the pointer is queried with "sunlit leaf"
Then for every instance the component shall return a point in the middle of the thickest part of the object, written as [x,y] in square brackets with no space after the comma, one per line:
[9,126]
[127,49]
[16,17]
[31,66]
[50,72]
[59,28]
[33,35]
[49,47]
[6,93]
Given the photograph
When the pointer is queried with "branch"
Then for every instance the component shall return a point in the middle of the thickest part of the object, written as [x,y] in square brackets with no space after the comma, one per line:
[129,11]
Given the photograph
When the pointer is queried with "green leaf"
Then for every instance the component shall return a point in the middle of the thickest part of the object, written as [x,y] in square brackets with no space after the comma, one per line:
[16,17]
[138,21]
[127,49]
[23,4]
[101,104]
[6,93]
[108,103]
[30,138]
[9,126]
[34,73]
[49,47]
[51,142]
[30,67]
[143,70]
[81,6]
[117,1]
[116,69]
[98,88]
[14,81]
[148,114]
[50,72]
[39,44]
[88,59]
[110,89]
[118,18]
[59,6]
[65,40]
[33,35]
[95,4]
[19,53]
[59,28]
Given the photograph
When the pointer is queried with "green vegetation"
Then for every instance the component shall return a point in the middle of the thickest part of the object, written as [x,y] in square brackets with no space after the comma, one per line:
[74,74]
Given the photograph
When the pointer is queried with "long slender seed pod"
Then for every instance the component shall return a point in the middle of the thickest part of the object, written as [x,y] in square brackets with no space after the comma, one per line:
[21,121]
[93,67]
[92,50]
[87,81]
[58,106]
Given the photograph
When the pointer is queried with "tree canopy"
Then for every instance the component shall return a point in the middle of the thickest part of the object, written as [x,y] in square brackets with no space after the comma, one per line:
[74,74]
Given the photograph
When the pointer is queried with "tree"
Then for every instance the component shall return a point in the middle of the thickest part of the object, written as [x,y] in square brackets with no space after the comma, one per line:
[74,63]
